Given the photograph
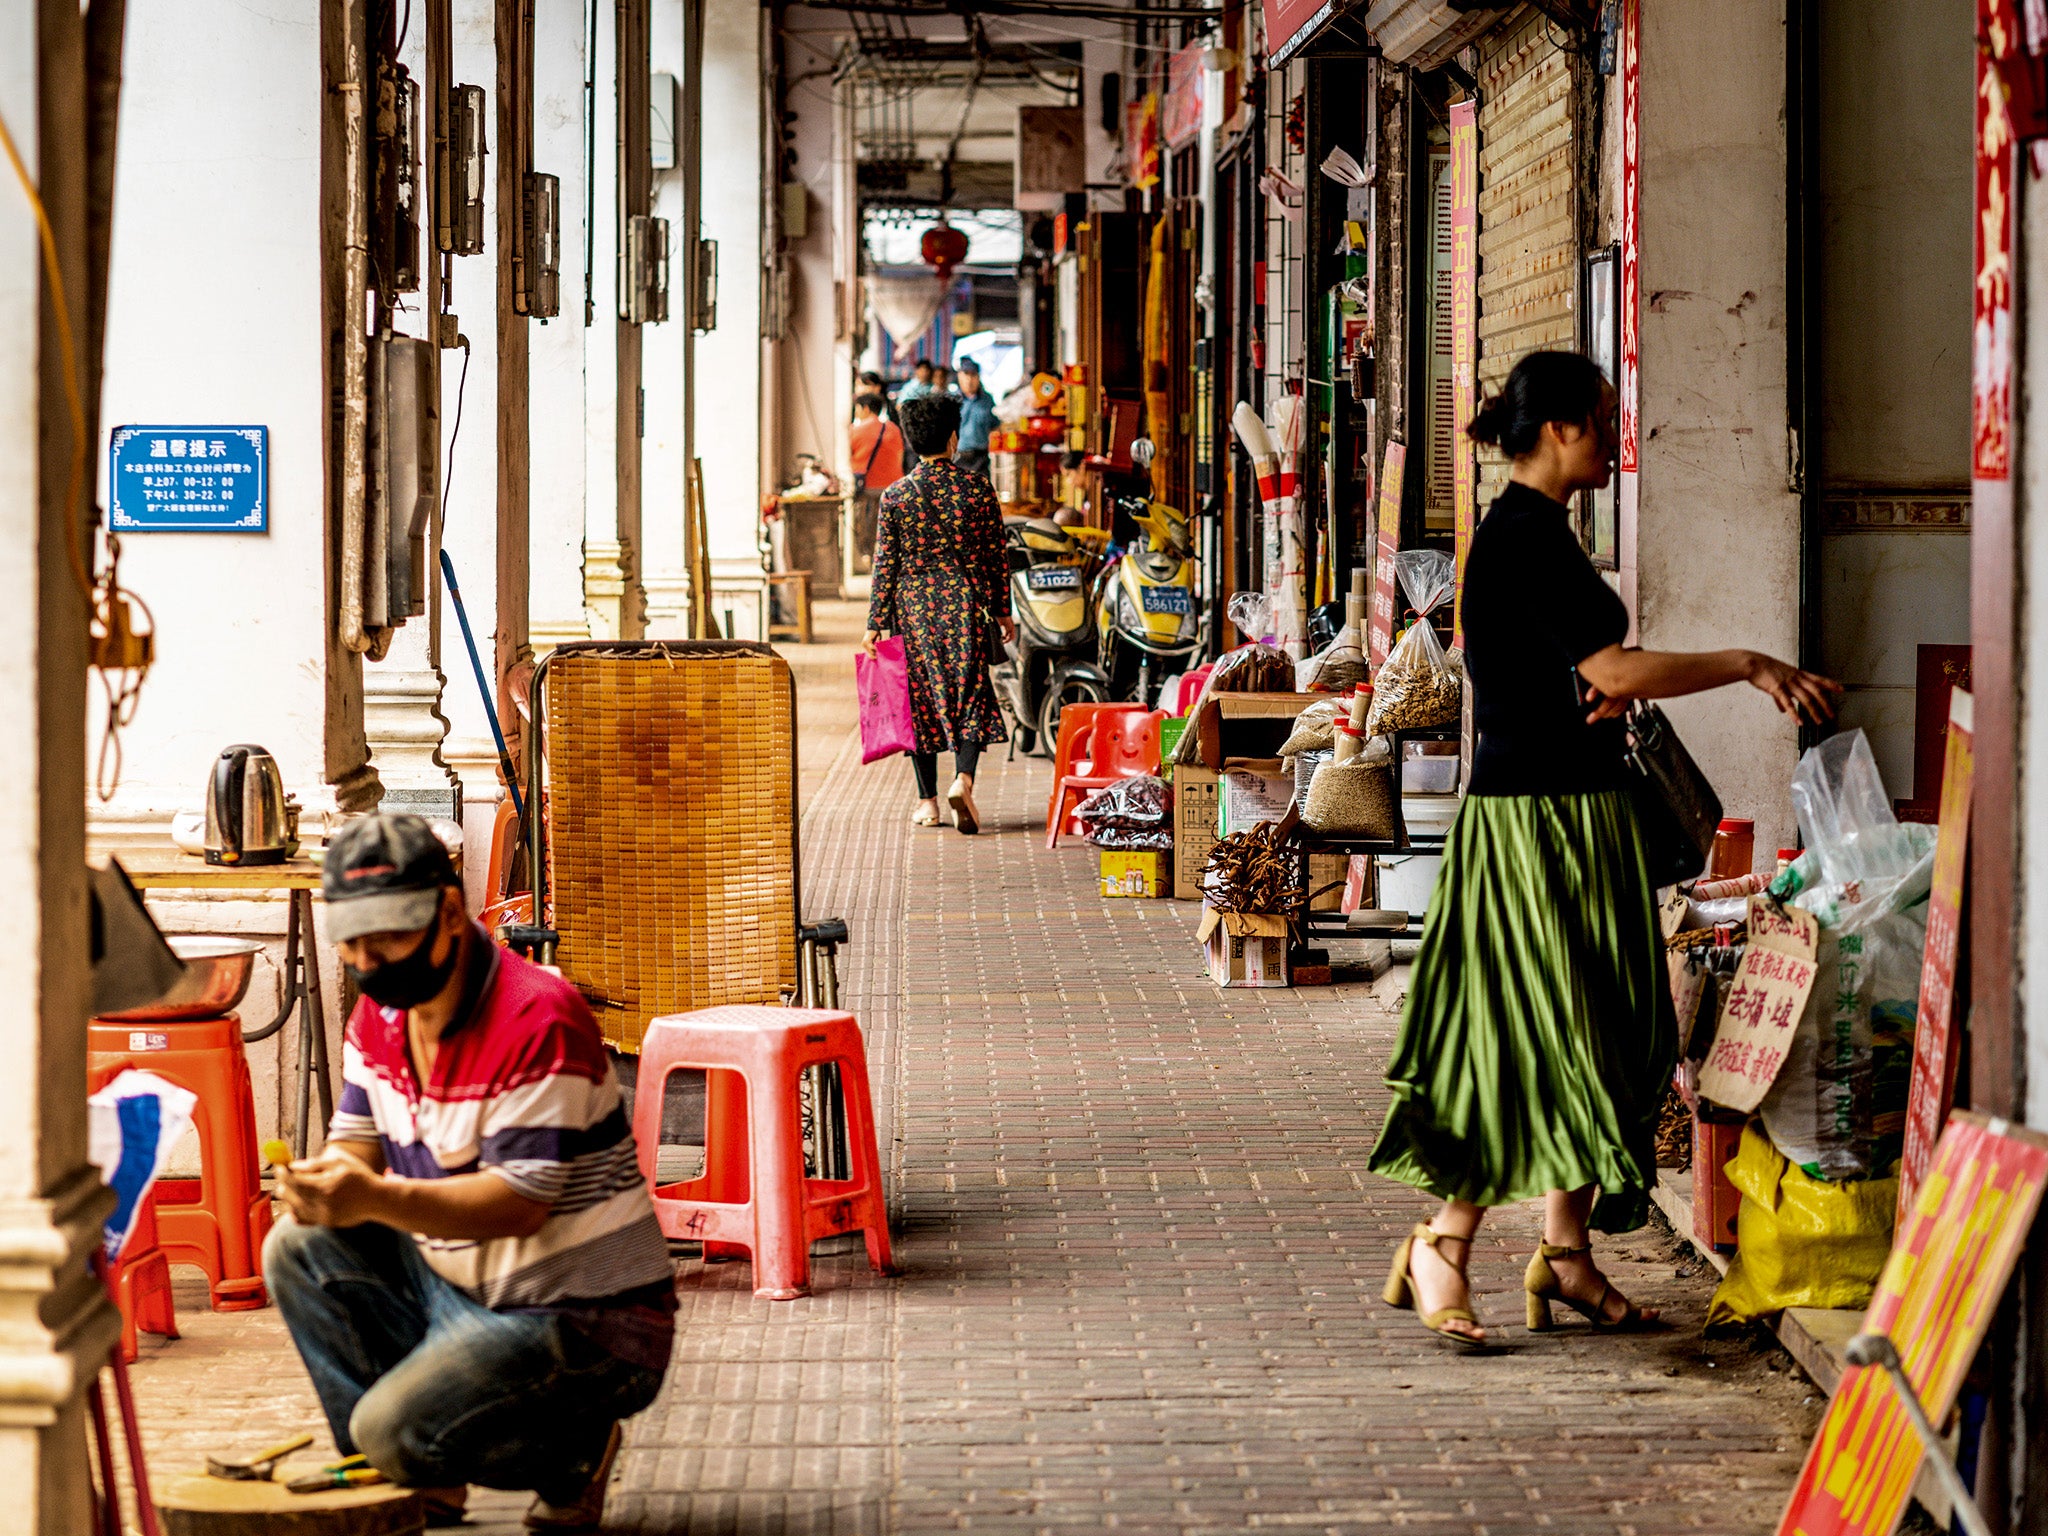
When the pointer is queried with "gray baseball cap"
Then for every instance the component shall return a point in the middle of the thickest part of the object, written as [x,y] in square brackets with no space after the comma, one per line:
[383,874]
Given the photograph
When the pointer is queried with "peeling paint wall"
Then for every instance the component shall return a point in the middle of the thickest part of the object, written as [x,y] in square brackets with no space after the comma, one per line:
[1718,529]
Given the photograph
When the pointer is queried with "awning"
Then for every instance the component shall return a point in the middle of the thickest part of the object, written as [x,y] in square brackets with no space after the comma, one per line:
[1424,33]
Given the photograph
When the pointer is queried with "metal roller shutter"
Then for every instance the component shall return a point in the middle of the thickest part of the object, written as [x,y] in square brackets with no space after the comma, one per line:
[1528,240]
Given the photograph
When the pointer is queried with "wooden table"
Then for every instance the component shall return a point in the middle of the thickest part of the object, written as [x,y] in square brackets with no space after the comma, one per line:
[159,869]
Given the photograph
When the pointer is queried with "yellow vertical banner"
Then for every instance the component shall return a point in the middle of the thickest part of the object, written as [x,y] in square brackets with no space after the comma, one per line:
[1464,341]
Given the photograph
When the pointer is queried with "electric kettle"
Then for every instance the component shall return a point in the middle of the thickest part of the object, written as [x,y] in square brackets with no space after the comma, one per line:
[245,809]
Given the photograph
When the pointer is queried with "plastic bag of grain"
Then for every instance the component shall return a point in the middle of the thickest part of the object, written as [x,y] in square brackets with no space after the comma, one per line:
[1354,799]
[1418,686]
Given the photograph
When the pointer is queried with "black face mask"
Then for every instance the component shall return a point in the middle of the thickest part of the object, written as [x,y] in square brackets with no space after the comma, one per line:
[409,982]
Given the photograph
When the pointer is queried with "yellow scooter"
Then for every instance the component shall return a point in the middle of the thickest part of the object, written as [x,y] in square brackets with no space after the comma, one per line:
[1146,614]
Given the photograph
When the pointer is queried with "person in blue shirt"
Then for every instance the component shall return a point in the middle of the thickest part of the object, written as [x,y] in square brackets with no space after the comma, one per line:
[977,420]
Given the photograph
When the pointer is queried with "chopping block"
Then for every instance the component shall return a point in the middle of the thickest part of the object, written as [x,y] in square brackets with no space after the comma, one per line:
[199,1505]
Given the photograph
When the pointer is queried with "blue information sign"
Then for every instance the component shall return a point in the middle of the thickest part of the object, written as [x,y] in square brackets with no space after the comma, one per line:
[189,480]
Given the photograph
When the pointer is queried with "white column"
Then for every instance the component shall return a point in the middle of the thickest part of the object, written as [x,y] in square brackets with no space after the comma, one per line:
[562,478]
[55,1320]
[729,358]
[664,482]
[606,556]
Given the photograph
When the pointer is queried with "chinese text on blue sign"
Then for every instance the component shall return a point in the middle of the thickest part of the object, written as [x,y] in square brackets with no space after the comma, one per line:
[189,480]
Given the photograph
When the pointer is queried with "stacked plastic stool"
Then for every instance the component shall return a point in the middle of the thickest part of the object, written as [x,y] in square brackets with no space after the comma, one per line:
[754,1196]
[219,1220]
[141,1283]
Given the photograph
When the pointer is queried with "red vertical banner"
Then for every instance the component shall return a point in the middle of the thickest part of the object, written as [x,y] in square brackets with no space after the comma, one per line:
[1991,304]
[1629,385]
[1464,341]
[1936,1038]
[1380,626]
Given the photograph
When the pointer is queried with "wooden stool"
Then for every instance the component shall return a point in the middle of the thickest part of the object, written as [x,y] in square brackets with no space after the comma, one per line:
[800,631]
[198,1505]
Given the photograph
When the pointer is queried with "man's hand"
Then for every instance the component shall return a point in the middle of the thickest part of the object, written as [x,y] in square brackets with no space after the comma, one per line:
[331,1190]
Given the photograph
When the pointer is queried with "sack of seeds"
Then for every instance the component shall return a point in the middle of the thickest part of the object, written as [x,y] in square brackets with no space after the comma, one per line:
[1315,727]
[1418,686]
[1354,799]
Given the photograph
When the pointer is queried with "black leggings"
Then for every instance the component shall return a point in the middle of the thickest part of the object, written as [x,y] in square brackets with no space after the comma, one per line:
[926,766]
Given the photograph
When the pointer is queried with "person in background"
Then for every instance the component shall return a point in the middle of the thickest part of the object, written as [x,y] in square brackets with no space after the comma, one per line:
[942,380]
[977,419]
[876,445]
[919,384]
[1539,1038]
[471,1268]
[940,581]
[872,383]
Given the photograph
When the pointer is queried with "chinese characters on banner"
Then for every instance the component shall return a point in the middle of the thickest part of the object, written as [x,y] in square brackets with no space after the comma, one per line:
[1141,140]
[1950,1261]
[1380,624]
[1764,1003]
[1181,117]
[1935,1046]
[1629,385]
[1991,305]
[1464,341]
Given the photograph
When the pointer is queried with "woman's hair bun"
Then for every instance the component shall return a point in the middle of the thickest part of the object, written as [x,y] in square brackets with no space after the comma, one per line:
[1544,387]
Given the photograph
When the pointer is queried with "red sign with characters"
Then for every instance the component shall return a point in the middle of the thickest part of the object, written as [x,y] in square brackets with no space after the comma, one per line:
[1380,625]
[1181,117]
[1629,385]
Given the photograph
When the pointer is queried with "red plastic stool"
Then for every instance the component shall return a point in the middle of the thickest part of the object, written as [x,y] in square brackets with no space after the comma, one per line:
[142,1284]
[219,1220]
[753,1196]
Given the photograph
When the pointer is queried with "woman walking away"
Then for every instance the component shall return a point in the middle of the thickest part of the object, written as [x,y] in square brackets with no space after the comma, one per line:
[1539,1035]
[940,583]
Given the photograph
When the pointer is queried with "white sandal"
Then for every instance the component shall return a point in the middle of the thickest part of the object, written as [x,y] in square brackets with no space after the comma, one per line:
[924,816]
[961,798]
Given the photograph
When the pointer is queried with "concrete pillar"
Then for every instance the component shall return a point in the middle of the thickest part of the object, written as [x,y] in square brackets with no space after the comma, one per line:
[561,478]
[729,358]
[663,468]
[56,1323]
[1717,531]
[612,592]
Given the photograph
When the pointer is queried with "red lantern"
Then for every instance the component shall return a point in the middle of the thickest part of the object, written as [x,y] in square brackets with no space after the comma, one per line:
[943,247]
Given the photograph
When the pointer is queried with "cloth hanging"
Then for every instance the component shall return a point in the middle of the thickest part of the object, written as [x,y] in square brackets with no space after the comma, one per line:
[906,305]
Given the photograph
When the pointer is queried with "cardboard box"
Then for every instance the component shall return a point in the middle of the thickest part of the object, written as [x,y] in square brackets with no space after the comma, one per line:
[1244,726]
[1136,874]
[1195,795]
[1714,1198]
[1245,949]
[1329,869]
[1251,796]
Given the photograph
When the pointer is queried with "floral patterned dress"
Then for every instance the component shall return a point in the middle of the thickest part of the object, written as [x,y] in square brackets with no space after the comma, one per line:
[940,582]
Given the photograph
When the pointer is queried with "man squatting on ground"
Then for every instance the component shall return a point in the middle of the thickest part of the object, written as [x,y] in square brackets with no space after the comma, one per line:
[471,1268]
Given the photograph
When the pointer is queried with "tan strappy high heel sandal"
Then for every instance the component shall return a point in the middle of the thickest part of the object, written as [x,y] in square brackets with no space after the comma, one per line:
[1542,1287]
[1400,1291]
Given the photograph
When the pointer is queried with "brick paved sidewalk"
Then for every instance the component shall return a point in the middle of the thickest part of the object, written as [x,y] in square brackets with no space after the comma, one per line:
[1140,1264]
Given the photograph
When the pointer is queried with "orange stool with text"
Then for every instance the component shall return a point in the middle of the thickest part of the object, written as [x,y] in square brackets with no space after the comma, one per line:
[753,1196]
[142,1284]
[219,1220]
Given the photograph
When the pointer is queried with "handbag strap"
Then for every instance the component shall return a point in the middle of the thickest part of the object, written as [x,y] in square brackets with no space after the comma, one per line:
[876,452]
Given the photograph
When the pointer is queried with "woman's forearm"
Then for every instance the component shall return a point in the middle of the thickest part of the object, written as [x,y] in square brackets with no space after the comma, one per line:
[1626,674]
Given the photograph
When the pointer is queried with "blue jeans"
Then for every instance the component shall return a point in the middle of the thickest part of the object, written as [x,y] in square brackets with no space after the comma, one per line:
[434,1388]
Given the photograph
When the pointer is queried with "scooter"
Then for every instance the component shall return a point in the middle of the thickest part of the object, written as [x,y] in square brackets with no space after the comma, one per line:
[1145,609]
[1051,661]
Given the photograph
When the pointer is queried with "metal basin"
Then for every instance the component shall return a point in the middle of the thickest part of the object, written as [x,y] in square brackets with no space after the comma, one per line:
[216,975]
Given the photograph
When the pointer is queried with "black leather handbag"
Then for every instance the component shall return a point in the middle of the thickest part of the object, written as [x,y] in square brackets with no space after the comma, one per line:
[1677,807]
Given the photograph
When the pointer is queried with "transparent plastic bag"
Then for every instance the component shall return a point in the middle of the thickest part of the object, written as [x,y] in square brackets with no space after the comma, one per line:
[1315,728]
[1142,801]
[1419,686]
[1428,576]
[1251,613]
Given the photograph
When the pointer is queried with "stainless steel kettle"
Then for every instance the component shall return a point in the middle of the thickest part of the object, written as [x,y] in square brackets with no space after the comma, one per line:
[245,809]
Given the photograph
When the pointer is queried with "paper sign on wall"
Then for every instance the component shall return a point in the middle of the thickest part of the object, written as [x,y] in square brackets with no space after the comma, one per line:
[1764,1002]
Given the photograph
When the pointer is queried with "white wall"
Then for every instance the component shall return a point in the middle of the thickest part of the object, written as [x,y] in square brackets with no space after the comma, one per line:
[214,317]
[1717,529]
[729,358]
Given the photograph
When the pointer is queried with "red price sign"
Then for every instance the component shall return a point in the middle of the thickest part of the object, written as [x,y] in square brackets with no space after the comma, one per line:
[1380,626]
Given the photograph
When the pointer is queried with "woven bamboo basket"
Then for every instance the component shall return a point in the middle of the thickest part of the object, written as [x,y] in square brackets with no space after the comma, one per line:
[671,827]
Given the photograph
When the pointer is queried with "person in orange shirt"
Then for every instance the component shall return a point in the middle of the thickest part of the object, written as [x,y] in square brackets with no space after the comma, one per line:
[876,444]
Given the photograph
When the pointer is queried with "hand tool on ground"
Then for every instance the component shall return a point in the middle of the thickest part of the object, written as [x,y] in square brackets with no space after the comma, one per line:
[350,1472]
[483,687]
[257,1468]
[1875,1349]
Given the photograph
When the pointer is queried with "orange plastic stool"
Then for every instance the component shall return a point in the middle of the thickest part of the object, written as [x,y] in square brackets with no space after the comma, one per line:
[1124,746]
[753,1196]
[219,1220]
[142,1284]
[1072,751]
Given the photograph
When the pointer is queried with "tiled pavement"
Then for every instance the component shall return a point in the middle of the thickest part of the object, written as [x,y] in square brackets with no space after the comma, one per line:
[1140,1263]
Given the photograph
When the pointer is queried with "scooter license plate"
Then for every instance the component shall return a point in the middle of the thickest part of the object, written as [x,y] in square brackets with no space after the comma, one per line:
[1165,599]
[1055,578]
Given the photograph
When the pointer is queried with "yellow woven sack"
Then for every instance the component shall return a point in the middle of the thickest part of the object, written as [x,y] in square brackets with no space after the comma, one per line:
[1800,1241]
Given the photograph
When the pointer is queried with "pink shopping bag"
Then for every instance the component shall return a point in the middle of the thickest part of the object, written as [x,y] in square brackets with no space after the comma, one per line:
[884,684]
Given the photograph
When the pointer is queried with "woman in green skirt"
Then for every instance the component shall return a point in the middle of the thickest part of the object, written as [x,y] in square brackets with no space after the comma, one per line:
[1539,1035]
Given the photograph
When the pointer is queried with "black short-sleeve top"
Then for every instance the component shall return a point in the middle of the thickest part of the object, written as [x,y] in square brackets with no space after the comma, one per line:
[1534,608]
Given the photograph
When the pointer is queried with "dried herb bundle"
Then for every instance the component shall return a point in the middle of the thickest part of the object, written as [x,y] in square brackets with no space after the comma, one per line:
[1253,871]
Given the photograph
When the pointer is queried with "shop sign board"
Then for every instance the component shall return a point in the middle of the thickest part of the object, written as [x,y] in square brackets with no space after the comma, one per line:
[1935,1036]
[1951,1258]
[189,480]
[1141,140]
[1181,117]
[1991,330]
[1464,343]
[1291,24]
[1380,626]
[1763,1006]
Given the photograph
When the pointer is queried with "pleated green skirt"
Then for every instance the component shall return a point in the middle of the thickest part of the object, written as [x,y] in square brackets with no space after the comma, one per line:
[1539,1034]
